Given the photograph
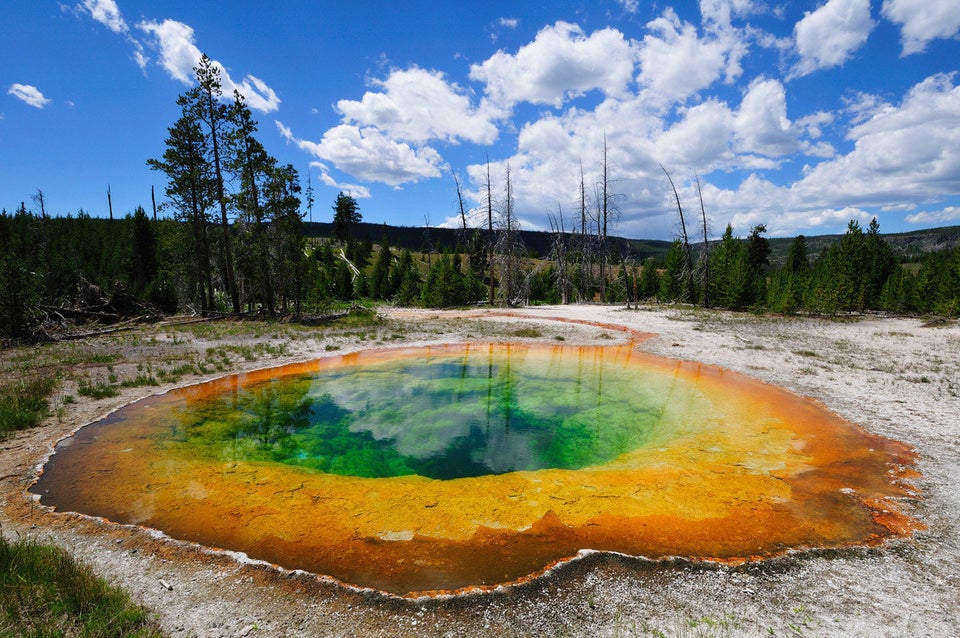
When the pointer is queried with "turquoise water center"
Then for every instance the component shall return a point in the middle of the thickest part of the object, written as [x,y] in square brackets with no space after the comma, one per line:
[444,412]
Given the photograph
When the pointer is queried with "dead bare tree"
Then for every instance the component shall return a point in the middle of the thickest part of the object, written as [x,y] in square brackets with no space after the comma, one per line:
[603,205]
[40,200]
[309,195]
[463,210]
[462,232]
[629,274]
[490,232]
[686,272]
[510,270]
[586,258]
[426,241]
[704,259]
[559,247]
[508,247]
[607,212]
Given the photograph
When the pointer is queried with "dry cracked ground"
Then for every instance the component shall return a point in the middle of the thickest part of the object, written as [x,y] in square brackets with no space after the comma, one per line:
[896,377]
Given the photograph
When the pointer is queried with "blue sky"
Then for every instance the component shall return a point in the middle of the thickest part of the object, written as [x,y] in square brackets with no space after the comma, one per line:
[800,114]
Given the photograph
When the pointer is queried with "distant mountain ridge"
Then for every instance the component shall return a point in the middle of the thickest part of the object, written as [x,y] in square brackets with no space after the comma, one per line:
[538,243]
[906,245]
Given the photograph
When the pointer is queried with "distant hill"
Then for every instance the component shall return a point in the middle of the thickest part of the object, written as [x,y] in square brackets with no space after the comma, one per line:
[907,245]
[911,244]
[537,243]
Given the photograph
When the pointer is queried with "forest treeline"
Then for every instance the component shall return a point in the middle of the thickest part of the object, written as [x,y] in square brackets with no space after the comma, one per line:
[234,241]
[55,267]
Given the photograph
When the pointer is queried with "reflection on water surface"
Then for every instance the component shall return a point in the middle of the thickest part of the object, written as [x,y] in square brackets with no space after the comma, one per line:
[468,411]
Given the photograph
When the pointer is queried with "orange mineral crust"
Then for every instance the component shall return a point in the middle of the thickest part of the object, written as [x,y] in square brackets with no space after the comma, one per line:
[741,470]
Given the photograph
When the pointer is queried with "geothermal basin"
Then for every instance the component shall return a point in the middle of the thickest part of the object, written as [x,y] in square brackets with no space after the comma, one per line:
[459,467]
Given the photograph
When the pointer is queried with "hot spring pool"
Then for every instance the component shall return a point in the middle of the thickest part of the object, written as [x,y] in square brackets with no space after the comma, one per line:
[471,465]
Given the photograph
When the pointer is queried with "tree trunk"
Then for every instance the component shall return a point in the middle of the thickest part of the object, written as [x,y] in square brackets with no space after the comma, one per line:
[687,269]
[221,197]
[490,232]
[706,249]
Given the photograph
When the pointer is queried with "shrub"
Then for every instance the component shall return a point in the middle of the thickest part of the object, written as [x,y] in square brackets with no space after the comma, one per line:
[44,592]
[23,404]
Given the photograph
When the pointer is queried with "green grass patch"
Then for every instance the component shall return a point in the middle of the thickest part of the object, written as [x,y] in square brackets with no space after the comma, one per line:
[44,592]
[175,374]
[249,352]
[23,404]
[528,332]
[358,317]
[182,369]
[98,390]
[139,381]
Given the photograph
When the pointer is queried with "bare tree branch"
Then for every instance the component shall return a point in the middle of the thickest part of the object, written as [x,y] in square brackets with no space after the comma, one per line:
[687,270]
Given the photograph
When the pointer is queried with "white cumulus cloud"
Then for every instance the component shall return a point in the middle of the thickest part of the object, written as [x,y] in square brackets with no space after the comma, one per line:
[829,36]
[418,105]
[761,123]
[922,21]
[948,215]
[561,63]
[675,62]
[702,138]
[385,136]
[368,154]
[28,94]
[107,13]
[719,12]
[904,156]
[179,54]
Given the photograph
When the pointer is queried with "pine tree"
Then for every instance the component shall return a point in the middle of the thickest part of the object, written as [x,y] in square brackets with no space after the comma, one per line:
[722,260]
[674,274]
[789,283]
[649,280]
[346,214]
[796,261]
[899,292]
[253,168]
[380,287]
[342,281]
[287,242]
[879,263]
[203,104]
[192,190]
[758,258]
[143,254]
[404,279]
[19,285]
